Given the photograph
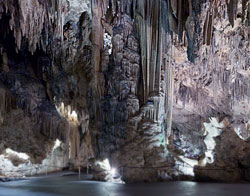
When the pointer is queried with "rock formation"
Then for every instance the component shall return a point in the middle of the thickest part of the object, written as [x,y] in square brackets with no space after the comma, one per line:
[159,90]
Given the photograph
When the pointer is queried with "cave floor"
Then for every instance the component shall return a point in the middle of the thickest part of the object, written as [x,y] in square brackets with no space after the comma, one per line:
[71,185]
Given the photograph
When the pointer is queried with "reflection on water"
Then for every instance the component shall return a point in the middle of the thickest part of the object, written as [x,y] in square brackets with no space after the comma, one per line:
[70,185]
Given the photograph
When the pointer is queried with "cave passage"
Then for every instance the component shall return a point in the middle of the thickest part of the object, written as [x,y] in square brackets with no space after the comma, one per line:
[124,92]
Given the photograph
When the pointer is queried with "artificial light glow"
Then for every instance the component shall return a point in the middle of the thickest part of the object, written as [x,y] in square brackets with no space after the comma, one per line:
[212,129]
[108,42]
[20,155]
[73,115]
[67,112]
[54,161]
[104,164]
[187,166]
[113,171]
[57,144]
[242,130]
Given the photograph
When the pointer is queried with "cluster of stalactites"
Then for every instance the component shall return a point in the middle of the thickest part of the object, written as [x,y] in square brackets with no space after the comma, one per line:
[35,21]
[52,125]
[152,22]
[231,7]
[153,110]
[149,26]
[181,15]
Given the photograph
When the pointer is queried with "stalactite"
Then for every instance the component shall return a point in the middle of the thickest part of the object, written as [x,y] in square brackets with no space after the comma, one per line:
[245,11]
[210,28]
[74,141]
[205,28]
[190,8]
[148,20]
[170,94]
[99,9]
[28,24]
[180,18]
[208,25]
[232,10]
[172,22]
[174,7]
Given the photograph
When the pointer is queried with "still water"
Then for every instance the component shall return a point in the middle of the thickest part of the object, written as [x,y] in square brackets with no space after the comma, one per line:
[71,185]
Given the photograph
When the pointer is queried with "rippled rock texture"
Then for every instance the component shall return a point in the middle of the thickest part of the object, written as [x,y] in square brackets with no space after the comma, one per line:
[159,88]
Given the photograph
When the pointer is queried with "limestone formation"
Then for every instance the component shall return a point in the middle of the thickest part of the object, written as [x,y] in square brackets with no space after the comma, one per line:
[159,89]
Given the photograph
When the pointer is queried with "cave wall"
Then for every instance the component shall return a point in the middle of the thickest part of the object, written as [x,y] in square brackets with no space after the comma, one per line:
[150,85]
[44,79]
